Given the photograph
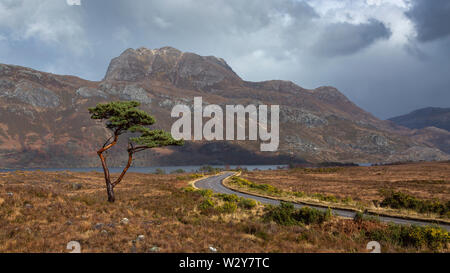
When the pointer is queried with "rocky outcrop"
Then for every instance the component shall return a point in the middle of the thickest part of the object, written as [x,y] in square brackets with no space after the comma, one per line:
[30,93]
[299,116]
[185,70]
[87,92]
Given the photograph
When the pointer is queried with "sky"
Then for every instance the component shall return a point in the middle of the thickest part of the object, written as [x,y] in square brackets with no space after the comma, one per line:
[388,56]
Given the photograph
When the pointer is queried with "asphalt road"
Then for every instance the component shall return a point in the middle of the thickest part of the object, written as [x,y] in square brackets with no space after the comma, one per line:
[215,184]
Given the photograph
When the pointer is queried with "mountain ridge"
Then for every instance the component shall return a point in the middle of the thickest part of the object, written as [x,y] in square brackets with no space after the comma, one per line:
[425,117]
[44,120]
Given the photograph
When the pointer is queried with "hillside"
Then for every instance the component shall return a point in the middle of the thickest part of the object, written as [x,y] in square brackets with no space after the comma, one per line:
[425,117]
[44,120]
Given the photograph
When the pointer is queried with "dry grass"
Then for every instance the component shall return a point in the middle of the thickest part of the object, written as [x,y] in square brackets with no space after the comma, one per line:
[422,180]
[42,212]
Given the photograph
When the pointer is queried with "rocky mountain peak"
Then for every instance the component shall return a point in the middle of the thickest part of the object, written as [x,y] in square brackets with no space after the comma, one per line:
[183,69]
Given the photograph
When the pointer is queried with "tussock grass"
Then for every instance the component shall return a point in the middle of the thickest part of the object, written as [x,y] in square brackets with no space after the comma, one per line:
[42,212]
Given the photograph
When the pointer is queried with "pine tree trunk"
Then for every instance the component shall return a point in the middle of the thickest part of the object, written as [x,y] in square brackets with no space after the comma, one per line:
[109,185]
[110,192]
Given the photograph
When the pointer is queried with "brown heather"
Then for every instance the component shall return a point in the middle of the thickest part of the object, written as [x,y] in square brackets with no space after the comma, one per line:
[363,184]
[48,209]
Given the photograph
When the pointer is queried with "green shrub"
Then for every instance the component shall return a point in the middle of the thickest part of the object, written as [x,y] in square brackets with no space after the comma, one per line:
[347,200]
[286,214]
[299,194]
[241,182]
[281,214]
[209,169]
[160,171]
[360,217]
[228,207]
[189,189]
[435,238]
[246,203]
[399,200]
[228,197]
[195,175]
[307,215]
[178,171]
[205,193]
[326,198]
[208,203]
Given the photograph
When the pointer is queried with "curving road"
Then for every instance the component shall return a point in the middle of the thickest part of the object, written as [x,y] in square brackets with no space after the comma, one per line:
[215,184]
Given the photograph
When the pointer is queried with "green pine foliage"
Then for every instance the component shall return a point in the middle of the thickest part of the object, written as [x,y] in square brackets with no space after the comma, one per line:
[124,116]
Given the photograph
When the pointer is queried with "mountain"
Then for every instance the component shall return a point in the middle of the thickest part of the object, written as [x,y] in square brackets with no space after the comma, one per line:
[430,125]
[44,120]
[425,117]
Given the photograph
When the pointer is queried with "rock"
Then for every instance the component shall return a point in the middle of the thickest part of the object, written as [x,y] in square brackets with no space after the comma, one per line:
[99,226]
[69,223]
[10,194]
[133,92]
[4,70]
[212,249]
[300,116]
[126,92]
[28,206]
[140,238]
[104,231]
[124,221]
[35,76]
[133,247]
[33,94]
[6,84]
[111,225]
[154,249]
[77,186]
[87,92]
[183,69]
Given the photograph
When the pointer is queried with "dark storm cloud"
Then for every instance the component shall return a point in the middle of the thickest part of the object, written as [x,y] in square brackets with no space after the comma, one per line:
[345,38]
[310,42]
[431,19]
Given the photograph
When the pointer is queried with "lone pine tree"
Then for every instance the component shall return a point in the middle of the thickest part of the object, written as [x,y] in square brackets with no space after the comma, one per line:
[124,117]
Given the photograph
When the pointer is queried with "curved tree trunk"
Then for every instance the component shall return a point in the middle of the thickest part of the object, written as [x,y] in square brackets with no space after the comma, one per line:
[109,185]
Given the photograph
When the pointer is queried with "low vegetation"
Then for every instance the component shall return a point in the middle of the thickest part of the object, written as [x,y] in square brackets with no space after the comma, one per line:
[430,237]
[42,212]
[286,214]
[270,190]
[209,169]
[418,190]
[399,200]
[215,203]
[317,170]
[263,188]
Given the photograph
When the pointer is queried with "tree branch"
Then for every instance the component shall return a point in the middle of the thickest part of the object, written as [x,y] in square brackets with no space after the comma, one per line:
[107,141]
[130,160]
[114,142]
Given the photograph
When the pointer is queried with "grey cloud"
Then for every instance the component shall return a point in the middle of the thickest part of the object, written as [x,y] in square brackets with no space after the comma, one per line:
[344,38]
[259,39]
[431,19]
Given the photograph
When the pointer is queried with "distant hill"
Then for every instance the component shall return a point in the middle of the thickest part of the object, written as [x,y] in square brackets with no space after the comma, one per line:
[425,117]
